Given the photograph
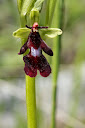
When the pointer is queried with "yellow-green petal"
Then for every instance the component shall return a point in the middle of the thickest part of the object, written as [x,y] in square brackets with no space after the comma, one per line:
[21,33]
[51,32]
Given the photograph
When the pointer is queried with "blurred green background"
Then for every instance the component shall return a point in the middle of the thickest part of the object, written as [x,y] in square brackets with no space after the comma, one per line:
[71,80]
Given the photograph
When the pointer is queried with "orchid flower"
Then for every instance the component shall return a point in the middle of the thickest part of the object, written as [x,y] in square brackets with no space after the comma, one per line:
[35,60]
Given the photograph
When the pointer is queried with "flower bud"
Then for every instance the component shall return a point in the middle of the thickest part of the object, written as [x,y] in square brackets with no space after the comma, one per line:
[34,16]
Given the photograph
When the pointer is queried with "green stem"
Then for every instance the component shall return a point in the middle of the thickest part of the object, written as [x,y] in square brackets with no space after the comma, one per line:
[55,70]
[31,102]
[56,59]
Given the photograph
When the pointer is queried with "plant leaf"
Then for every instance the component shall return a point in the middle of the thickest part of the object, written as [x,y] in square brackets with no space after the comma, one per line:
[51,32]
[21,33]
[38,4]
[27,6]
[19,3]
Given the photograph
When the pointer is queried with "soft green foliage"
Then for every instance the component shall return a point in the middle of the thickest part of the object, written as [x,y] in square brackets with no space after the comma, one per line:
[38,4]
[19,4]
[27,6]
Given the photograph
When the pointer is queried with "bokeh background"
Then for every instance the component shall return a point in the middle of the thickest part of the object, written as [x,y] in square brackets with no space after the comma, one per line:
[71,80]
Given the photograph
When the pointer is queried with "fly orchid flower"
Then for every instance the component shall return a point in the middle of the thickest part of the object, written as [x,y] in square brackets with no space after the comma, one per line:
[35,60]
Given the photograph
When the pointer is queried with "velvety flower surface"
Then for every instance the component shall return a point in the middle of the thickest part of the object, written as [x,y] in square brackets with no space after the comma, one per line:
[35,60]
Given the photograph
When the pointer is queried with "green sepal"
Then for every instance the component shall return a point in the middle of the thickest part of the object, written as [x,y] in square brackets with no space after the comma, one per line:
[21,33]
[51,32]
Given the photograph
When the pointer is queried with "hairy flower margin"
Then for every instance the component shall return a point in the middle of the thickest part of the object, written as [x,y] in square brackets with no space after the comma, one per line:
[34,60]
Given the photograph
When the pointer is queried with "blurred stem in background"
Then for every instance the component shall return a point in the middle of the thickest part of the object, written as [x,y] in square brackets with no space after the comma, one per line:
[47,12]
[24,7]
[76,89]
[75,96]
[59,13]
[52,5]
